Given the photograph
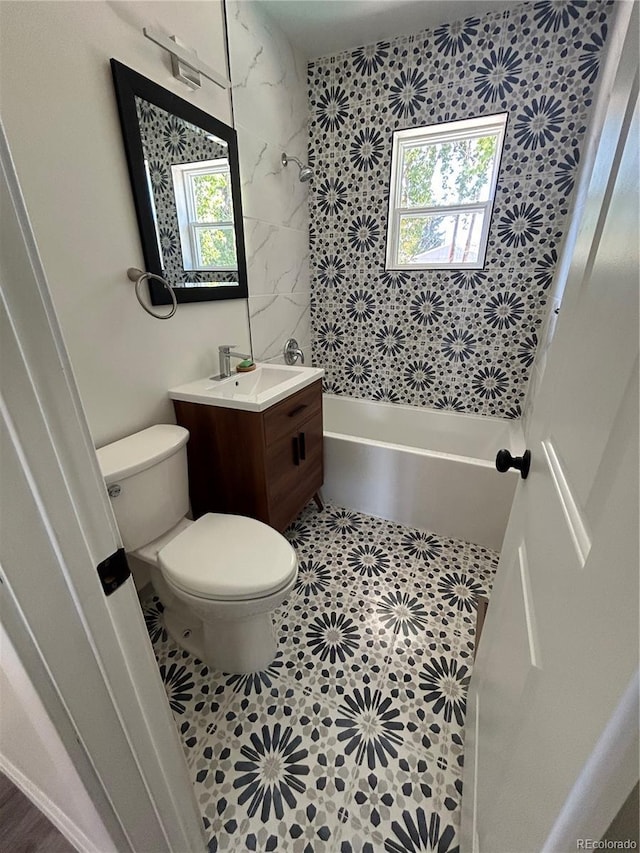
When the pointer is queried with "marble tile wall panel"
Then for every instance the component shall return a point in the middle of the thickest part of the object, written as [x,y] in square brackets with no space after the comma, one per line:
[270,192]
[271,116]
[459,340]
[278,258]
[275,318]
[268,77]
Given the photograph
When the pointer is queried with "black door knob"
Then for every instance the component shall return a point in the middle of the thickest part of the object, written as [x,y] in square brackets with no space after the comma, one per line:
[504,461]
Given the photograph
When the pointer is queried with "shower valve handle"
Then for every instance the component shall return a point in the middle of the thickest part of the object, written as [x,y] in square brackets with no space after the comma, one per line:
[504,461]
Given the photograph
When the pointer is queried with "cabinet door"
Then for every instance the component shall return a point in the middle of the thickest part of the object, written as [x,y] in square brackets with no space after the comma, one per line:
[294,470]
[225,453]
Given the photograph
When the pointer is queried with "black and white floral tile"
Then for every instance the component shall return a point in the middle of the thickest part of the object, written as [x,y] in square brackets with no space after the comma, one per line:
[352,740]
[461,340]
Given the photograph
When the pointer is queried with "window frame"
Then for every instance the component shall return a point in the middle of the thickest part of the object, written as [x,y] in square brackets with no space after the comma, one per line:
[451,131]
[188,223]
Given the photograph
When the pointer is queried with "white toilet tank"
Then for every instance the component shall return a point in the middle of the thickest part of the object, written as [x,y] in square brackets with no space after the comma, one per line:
[150,469]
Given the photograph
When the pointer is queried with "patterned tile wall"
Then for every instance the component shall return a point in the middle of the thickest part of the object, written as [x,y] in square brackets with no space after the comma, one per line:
[461,340]
[167,141]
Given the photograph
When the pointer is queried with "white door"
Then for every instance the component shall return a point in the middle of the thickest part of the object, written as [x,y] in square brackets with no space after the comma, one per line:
[87,656]
[551,737]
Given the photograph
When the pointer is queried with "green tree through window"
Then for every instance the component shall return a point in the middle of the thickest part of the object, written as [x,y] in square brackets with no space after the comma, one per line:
[443,182]
[205,214]
[216,242]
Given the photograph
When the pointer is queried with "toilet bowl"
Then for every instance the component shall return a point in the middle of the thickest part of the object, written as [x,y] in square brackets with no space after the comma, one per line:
[220,577]
[231,572]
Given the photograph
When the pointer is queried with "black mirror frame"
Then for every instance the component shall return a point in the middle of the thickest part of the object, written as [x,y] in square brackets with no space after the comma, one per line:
[128,84]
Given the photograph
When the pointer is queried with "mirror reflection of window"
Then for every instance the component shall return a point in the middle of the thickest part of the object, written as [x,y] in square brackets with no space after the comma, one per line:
[189,183]
[205,214]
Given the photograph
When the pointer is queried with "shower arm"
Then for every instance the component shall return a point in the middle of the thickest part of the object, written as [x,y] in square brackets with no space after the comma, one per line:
[286,157]
[306,172]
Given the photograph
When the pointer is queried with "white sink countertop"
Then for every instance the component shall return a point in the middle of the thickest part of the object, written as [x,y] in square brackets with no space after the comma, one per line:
[253,391]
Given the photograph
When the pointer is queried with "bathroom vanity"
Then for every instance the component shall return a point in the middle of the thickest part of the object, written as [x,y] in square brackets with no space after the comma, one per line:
[255,445]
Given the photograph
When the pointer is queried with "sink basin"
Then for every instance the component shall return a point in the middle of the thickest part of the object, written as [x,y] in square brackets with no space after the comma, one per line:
[252,392]
[258,381]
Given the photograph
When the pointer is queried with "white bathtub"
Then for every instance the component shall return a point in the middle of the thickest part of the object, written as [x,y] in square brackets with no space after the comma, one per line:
[420,467]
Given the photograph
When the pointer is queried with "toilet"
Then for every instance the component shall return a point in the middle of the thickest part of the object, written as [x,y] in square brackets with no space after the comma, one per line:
[220,577]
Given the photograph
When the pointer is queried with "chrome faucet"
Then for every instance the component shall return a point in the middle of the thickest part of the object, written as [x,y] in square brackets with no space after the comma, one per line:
[224,354]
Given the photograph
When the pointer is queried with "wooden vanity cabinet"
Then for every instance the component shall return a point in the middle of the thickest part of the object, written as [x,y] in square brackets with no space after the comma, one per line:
[266,465]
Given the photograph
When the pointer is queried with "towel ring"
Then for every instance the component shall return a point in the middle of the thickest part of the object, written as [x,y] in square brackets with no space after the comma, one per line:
[139,276]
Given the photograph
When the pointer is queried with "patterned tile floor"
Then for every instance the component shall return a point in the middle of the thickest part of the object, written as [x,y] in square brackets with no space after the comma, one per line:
[352,740]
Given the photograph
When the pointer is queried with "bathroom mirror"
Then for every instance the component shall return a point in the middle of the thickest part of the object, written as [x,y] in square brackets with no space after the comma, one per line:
[183,166]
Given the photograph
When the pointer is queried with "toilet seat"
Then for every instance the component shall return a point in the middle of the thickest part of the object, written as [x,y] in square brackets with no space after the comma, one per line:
[228,558]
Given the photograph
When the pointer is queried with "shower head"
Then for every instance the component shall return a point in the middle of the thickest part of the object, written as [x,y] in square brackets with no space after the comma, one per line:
[306,172]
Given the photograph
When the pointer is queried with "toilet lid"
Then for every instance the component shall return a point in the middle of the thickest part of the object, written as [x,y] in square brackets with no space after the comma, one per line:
[228,557]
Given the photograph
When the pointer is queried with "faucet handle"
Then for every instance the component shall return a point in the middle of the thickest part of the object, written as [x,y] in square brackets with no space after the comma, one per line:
[225,348]
[292,352]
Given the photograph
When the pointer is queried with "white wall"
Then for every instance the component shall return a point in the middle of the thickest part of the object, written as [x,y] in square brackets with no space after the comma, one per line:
[30,749]
[59,111]
[270,108]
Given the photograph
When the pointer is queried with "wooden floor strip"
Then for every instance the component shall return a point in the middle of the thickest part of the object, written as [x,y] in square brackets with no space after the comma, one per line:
[23,827]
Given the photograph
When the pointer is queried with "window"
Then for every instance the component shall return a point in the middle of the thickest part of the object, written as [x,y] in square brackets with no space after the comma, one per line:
[205,215]
[443,182]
